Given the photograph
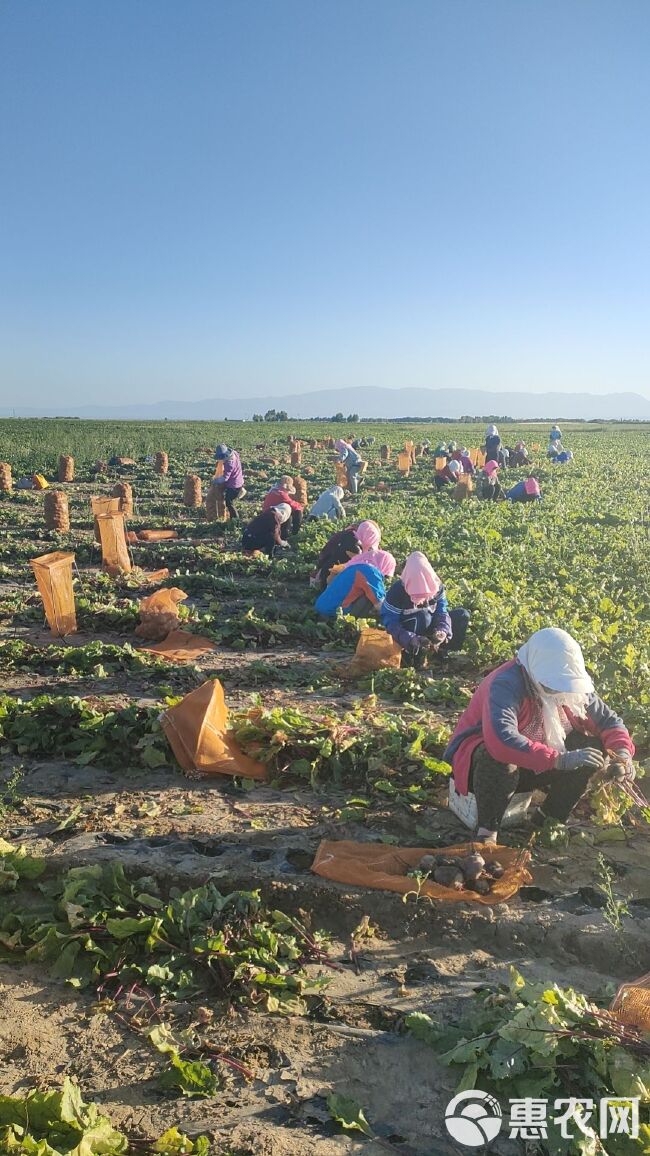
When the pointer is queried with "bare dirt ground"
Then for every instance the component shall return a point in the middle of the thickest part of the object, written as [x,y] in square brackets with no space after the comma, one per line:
[421,957]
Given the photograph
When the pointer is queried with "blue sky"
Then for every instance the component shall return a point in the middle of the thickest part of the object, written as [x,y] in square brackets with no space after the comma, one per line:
[203,197]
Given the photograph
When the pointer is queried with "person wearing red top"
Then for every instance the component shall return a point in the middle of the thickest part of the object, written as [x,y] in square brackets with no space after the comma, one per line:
[284,493]
[536,723]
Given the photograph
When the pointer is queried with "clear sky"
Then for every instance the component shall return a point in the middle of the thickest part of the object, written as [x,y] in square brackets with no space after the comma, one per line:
[201,197]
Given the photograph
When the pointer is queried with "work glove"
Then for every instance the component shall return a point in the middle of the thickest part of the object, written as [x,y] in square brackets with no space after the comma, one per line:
[623,771]
[422,643]
[575,760]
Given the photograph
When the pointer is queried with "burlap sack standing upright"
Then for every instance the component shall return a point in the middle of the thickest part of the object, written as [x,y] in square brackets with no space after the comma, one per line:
[56,513]
[6,479]
[102,506]
[192,492]
[53,573]
[124,491]
[115,551]
[301,491]
[161,462]
[384,453]
[211,503]
[66,468]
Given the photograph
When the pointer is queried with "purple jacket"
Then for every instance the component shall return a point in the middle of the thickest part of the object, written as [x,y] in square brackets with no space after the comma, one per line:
[233,475]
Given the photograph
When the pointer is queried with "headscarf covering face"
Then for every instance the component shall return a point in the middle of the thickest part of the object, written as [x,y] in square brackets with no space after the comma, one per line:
[380,559]
[419,579]
[283,510]
[531,486]
[454,468]
[337,492]
[340,445]
[368,534]
[222,452]
[491,432]
[490,469]
[555,665]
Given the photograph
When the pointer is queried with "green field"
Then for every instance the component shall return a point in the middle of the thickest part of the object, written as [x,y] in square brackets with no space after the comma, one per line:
[90,781]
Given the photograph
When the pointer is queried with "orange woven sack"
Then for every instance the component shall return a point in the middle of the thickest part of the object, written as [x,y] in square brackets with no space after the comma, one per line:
[53,574]
[101,506]
[115,551]
[631,1004]
[159,613]
[404,462]
[341,474]
[376,650]
[386,869]
[197,732]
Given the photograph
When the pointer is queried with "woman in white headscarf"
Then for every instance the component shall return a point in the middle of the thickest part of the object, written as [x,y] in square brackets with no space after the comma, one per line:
[264,532]
[492,444]
[329,504]
[535,723]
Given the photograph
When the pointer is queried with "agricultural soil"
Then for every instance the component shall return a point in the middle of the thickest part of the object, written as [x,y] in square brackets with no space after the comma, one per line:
[415,955]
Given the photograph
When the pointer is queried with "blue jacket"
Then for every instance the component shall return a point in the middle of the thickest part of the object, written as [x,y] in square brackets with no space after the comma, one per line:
[407,623]
[345,586]
[518,494]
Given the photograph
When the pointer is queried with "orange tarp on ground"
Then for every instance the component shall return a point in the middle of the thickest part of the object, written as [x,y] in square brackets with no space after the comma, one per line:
[53,573]
[197,732]
[386,869]
[181,646]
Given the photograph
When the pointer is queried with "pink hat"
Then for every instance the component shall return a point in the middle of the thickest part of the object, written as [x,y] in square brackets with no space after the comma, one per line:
[490,468]
[531,486]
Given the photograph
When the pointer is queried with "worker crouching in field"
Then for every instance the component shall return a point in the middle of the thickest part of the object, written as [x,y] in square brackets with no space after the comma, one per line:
[328,505]
[488,486]
[347,546]
[448,475]
[416,614]
[358,590]
[535,723]
[369,536]
[232,478]
[264,532]
[462,455]
[527,490]
[519,456]
[284,493]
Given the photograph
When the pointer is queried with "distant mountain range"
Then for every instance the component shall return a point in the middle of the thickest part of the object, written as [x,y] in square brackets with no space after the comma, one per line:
[370,403]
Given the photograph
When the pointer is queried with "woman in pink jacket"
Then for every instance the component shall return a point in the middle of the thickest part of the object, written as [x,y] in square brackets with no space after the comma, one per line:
[535,723]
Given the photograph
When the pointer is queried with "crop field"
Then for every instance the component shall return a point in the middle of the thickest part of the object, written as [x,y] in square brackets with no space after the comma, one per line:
[167,956]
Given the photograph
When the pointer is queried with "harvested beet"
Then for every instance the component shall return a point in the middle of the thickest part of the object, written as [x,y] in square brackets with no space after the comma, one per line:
[449,877]
[472,866]
[494,870]
[481,886]
[427,863]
